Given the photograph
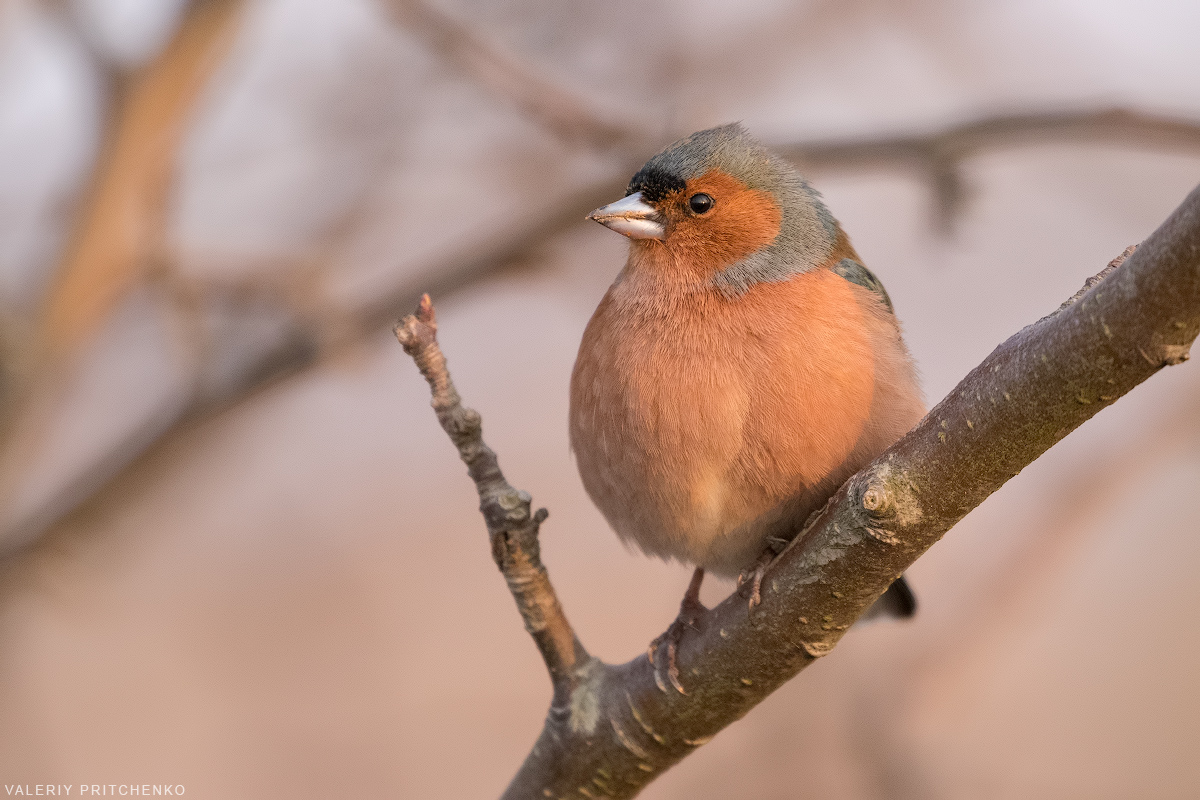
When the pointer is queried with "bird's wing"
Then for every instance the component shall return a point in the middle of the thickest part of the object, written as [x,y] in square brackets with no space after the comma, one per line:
[855,272]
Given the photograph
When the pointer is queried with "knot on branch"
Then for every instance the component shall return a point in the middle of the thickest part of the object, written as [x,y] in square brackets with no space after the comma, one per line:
[878,501]
[888,501]
[506,508]
[514,534]
[463,426]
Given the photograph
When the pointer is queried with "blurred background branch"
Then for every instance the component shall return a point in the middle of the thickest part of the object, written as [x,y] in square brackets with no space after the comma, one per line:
[569,116]
[121,226]
[92,279]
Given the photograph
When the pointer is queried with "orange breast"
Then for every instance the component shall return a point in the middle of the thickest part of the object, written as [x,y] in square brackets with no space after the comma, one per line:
[693,415]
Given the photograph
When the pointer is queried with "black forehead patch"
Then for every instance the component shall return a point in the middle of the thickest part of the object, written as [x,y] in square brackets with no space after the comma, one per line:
[655,183]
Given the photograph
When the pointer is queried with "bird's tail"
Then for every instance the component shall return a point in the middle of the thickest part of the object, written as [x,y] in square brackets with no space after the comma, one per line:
[898,601]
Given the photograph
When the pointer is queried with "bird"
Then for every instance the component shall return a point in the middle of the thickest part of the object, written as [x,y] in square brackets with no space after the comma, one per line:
[742,365]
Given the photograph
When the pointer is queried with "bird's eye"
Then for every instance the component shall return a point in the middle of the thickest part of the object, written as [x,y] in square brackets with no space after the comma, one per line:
[700,203]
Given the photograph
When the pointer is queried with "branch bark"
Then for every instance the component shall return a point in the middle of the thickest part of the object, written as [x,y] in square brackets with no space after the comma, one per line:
[612,728]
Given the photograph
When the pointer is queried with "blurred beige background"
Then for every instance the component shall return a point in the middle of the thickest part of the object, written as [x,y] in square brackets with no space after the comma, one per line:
[239,554]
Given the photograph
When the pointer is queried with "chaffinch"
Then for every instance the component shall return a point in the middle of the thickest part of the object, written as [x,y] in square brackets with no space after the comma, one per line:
[740,368]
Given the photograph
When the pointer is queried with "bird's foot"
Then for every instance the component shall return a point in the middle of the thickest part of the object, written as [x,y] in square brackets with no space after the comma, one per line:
[755,576]
[690,609]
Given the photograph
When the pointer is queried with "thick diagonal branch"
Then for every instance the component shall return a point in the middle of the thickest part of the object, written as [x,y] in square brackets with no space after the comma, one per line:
[618,728]
[513,530]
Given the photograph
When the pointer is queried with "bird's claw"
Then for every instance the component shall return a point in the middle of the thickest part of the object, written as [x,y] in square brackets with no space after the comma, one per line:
[756,587]
[755,577]
[672,667]
[689,612]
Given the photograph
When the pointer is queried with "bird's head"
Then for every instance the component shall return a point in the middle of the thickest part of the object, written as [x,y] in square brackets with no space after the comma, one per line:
[721,202]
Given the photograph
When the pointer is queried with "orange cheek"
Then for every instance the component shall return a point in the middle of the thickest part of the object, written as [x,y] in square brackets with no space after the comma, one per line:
[741,222]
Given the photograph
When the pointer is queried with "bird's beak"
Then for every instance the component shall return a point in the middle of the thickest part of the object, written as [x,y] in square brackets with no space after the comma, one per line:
[632,217]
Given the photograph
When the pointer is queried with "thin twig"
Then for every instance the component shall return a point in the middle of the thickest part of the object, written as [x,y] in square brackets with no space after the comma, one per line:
[513,530]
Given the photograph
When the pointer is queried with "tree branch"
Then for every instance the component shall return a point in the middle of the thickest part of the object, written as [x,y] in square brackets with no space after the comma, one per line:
[939,155]
[618,727]
[963,140]
[513,530]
